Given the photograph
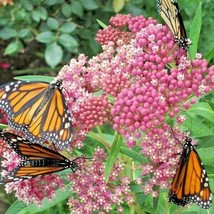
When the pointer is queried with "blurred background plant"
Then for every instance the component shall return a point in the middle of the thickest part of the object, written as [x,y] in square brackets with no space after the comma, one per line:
[40,36]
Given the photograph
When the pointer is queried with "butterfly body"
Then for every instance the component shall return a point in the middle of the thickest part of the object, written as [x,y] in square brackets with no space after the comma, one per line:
[36,159]
[190,183]
[38,109]
[48,163]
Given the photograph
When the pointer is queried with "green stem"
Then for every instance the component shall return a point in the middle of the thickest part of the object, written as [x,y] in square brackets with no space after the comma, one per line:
[100,132]
[100,139]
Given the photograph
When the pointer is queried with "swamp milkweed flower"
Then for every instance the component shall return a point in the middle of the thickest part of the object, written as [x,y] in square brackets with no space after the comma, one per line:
[133,84]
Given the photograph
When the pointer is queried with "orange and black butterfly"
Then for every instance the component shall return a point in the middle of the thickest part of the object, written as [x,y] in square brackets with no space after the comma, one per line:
[190,183]
[36,159]
[170,13]
[38,109]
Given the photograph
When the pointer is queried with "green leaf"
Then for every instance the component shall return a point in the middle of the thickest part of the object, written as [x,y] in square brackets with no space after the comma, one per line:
[204,110]
[77,8]
[52,23]
[27,5]
[195,32]
[19,207]
[53,54]
[210,55]
[115,148]
[68,27]
[35,78]
[36,2]
[118,5]
[66,10]
[134,155]
[103,25]
[23,32]
[67,41]
[7,33]
[16,207]
[197,128]
[89,4]
[13,47]
[95,47]
[51,2]
[3,126]
[43,13]
[36,15]
[46,37]
[206,155]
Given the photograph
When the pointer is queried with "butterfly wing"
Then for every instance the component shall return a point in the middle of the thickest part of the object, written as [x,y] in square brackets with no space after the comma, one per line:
[176,194]
[25,149]
[39,109]
[170,13]
[20,100]
[25,171]
[53,122]
[190,183]
[36,159]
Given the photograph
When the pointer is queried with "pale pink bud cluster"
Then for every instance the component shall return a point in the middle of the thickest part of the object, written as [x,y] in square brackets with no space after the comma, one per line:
[93,193]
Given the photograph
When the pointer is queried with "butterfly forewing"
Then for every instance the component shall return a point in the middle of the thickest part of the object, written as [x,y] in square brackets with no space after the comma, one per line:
[170,13]
[36,159]
[38,109]
[24,148]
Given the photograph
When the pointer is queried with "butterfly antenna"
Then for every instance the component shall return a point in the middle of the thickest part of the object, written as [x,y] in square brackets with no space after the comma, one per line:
[83,157]
[175,136]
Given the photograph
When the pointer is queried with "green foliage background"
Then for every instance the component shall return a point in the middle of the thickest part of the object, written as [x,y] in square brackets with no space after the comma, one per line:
[53,31]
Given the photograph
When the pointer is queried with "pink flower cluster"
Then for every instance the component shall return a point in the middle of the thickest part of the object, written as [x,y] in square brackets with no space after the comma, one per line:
[163,150]
[115,31]
[144,77]
[34,190]
[140,78]
[93,193]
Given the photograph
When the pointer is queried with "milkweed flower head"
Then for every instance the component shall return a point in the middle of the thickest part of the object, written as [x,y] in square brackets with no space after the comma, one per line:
[34,190]
[93,192]
[143,76]
[162,150]
[140,77]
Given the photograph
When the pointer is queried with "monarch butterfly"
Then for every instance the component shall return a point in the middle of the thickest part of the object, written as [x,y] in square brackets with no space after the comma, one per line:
[190,183]
[39,109]
[36,159]
[169,11]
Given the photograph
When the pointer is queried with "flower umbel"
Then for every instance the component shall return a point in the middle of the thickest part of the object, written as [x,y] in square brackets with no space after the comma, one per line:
[93,193]
[145,78]
[139,80]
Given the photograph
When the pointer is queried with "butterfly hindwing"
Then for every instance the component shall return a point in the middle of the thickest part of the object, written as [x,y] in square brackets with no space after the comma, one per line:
[190,183]
[57,128]
[24,148]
